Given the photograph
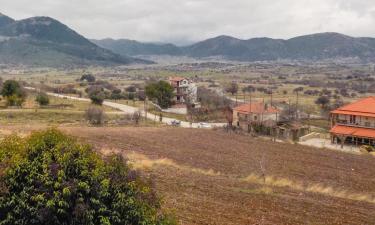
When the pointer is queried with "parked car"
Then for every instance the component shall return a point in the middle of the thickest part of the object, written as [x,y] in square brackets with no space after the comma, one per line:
[175,123]
[204,125]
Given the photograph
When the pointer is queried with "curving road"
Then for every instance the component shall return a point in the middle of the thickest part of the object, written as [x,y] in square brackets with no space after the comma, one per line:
[130,110]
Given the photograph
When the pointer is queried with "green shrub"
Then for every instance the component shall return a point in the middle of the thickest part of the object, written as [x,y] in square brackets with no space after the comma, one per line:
[50,178]
[97,98]
[13,92]
[367,148]
[42,99]
[162,92]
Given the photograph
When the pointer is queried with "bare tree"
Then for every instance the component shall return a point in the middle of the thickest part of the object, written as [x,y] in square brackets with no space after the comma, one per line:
[228,113]
[95,115]
[297,91]
[232,88]
[137,117]
[262,165]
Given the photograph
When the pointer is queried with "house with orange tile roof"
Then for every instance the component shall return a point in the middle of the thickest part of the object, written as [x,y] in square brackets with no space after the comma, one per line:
[354,123]
[184,89]
[256,112]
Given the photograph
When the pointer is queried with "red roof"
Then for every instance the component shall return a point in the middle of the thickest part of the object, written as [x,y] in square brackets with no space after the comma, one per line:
[363,107]
[353,131]
[176,79]
[256,107]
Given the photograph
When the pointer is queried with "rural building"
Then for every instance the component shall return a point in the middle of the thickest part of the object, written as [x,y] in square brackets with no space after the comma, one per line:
[184,89]
[257,112]
[354,123]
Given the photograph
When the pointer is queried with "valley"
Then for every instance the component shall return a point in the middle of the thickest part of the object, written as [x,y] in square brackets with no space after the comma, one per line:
[198,127]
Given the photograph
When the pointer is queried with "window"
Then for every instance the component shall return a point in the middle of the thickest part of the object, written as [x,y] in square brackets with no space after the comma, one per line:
[353,119]
[368,124]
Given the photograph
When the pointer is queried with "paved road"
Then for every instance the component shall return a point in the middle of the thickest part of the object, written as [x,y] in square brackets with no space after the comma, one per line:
[326,143]
[130,110]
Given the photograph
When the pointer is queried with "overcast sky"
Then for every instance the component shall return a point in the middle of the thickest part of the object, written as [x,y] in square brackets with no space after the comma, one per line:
[186,21]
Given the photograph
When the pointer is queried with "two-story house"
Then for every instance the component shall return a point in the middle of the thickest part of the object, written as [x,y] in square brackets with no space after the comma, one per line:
[184,89]
[354,123]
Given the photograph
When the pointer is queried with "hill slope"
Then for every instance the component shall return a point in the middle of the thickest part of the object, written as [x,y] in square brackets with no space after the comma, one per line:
[43,41]
[209,182]
[133,48]
[317,47]
[5,20]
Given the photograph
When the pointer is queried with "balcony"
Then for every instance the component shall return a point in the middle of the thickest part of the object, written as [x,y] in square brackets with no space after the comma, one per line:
[360,125]
[342,122]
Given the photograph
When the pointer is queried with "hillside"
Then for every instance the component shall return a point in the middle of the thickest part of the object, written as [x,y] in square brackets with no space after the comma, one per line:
[134,48]
[5,20]
[43,41]
[315,47]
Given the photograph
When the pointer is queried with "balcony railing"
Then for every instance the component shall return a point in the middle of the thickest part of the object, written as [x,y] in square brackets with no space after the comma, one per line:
[346,123]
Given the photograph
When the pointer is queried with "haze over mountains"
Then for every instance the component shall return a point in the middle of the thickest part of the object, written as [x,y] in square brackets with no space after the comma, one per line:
[43,41]
[315,47]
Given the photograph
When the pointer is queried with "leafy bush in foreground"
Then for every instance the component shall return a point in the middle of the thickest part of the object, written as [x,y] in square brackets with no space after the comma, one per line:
[49,178]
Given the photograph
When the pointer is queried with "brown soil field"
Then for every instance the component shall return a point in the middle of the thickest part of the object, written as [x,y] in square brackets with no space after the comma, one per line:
[212,177]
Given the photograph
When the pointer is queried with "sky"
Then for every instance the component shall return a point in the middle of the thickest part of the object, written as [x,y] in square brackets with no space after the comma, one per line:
[186,21]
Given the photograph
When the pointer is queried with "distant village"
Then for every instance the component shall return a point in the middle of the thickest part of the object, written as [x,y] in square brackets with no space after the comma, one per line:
[350,125]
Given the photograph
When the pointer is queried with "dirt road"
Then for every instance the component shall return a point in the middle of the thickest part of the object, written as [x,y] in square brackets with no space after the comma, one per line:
[130,110]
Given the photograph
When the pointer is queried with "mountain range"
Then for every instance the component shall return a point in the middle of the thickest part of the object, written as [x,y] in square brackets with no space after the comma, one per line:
[44,41]
[314,47]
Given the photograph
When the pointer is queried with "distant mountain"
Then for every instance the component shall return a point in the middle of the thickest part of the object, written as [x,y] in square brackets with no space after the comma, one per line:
[5,20]
[310,47]
[43,41]
[134,48]
[315,47]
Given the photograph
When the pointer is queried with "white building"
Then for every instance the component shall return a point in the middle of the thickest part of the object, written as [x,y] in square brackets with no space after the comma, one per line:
[184,89]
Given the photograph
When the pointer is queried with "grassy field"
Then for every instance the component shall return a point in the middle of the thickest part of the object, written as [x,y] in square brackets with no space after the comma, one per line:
[212,177]
[152,109]
[55,102]
[59,111]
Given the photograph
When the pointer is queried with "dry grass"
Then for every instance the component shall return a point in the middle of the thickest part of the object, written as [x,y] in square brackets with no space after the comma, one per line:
[140,161]
[314,188]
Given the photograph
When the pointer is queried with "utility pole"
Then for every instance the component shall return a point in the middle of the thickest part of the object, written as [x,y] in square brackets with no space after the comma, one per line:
[250,113]
[289,108]
[297,92]
[145,108]
[264,108]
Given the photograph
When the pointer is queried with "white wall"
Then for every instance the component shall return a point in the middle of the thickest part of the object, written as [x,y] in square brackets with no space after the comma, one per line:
[360,120]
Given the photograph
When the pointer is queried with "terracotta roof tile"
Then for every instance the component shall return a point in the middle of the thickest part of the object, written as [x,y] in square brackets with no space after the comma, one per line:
[176,79]
[353,131]
[363,107]
[256,107]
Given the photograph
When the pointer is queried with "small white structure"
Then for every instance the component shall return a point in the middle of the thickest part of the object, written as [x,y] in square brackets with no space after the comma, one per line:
[184,89]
